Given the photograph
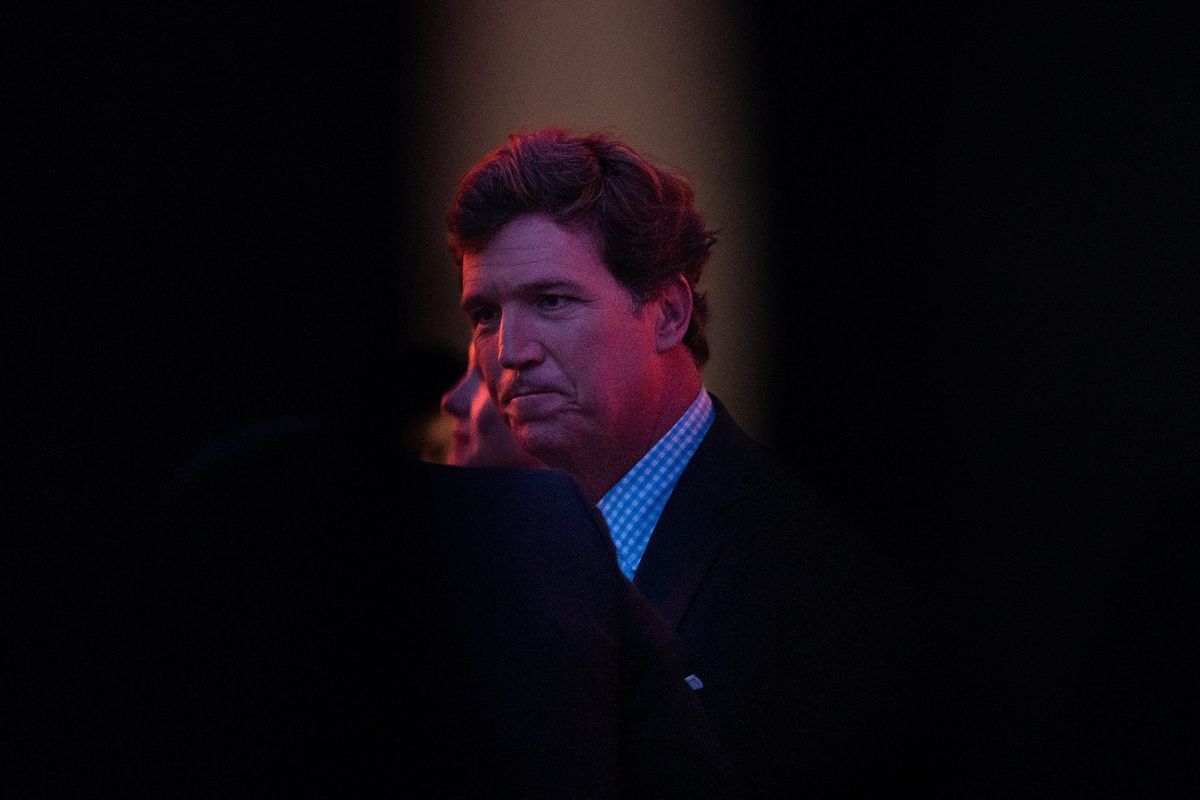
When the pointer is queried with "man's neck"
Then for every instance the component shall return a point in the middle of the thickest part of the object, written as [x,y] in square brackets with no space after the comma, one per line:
[596,477]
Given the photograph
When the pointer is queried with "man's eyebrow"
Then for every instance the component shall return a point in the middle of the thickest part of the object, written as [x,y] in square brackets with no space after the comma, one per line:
[549,286]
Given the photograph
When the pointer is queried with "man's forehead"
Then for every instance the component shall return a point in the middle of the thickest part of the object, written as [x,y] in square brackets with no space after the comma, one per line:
[503,263]
[499,276]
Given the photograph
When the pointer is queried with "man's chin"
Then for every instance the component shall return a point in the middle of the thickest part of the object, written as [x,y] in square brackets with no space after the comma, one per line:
[542,440]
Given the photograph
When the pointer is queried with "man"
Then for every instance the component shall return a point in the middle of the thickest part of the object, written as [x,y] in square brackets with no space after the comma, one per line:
[479,437]
[580,262]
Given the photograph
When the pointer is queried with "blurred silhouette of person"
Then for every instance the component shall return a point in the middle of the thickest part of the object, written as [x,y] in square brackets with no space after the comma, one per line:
[493,649]
[480,437]
[310,613]
[415,383]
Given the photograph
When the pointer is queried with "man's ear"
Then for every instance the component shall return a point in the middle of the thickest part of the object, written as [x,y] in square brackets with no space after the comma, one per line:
[674,305]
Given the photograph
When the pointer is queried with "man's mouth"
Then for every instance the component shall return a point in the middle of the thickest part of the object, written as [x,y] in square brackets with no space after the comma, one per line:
[528,404]
[508,397]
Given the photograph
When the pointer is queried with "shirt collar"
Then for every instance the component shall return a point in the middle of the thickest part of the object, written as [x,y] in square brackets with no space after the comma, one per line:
[632,506]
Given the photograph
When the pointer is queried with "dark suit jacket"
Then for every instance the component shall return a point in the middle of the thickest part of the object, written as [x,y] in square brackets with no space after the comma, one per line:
[793,618]
[305,619]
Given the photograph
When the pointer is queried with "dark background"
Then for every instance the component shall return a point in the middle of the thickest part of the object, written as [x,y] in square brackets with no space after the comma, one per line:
[983,243]
[997,349]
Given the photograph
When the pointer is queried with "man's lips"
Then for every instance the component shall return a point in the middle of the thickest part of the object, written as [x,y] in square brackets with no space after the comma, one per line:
[508,397]
[528,404]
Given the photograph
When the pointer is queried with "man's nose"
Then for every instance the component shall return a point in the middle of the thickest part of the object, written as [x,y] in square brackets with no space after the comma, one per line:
[457,400]
[518,342]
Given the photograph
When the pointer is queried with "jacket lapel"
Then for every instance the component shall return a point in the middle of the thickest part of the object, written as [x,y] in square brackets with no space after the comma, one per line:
[687,539]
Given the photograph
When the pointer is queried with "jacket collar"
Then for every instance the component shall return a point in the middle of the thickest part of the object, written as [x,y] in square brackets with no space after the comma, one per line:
[686,541]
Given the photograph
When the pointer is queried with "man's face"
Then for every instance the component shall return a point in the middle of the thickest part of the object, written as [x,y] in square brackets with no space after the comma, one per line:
[480,438]
[573,368]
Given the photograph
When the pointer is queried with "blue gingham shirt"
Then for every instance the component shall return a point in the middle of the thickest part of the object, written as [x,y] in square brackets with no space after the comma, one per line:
[632,507]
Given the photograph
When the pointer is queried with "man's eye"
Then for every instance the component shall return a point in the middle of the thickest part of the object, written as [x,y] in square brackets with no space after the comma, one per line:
[485,315]
[551,301]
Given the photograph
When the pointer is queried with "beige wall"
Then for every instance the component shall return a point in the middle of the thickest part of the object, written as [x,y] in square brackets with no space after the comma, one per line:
[665,77]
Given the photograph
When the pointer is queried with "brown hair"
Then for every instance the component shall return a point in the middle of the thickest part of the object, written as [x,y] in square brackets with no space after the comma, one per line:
[641,215]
